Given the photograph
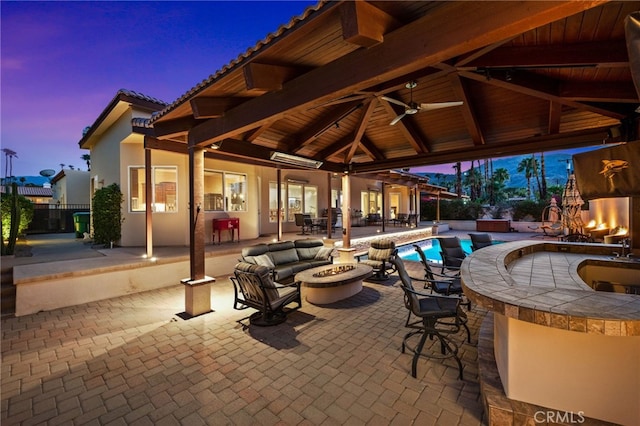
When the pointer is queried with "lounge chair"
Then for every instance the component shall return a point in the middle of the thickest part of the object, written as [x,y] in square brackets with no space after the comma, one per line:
[479,241]
[254,288]
[452,253]
[440,317]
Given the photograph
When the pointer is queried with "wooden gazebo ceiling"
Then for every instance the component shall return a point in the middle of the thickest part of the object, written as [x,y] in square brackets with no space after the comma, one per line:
[533,76]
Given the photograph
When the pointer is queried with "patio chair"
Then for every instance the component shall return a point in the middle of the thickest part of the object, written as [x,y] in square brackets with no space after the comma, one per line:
[452,253]
[304,222]
[439,317]
[254,288]
[379,256]
[479,241]
[447,285]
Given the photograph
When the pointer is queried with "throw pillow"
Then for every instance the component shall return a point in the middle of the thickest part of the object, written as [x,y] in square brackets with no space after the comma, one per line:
[264,260]
[324,253]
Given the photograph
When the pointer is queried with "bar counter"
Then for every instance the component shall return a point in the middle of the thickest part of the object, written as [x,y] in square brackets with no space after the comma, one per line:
[557,342]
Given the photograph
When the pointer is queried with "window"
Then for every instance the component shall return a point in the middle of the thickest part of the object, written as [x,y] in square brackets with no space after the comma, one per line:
[235,191]
[165,183]
[224,191]
[371,202]
[296,198]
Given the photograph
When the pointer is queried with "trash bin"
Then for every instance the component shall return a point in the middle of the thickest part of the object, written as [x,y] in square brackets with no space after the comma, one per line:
[81,223]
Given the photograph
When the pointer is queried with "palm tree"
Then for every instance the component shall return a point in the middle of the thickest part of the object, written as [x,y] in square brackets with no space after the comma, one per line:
[543,172]
[498,178]
[87,159]
[458,167]
[62,166]
[534,163]
[526,166]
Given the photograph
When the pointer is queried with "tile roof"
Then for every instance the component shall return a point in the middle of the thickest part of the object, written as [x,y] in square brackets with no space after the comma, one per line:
[269,39]
[31,191]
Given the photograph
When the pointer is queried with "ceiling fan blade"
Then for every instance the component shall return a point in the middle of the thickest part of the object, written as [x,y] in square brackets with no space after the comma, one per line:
[439,105]
[394,101]
[398,118]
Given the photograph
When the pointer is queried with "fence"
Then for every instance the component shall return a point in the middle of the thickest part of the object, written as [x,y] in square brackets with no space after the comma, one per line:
[54,218]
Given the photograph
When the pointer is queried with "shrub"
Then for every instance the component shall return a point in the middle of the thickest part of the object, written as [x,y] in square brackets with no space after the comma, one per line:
[107,215]
[26,214]
[451,210]
[528,209]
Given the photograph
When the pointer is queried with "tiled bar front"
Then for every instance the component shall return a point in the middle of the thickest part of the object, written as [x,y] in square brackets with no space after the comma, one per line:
[557,342]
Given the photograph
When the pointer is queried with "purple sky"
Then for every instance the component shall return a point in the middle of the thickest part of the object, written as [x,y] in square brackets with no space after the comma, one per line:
[63,62]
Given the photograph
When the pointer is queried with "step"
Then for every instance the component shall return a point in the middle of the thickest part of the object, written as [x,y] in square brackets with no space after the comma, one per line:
[7,293]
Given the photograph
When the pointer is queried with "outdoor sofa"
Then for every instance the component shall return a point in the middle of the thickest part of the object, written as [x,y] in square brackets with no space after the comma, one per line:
[286,258]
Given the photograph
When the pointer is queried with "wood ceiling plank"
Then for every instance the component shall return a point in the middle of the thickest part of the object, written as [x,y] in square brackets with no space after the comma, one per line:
[537,86]
[267,77]
[405,50]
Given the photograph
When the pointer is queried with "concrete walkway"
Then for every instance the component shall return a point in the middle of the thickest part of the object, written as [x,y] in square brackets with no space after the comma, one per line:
[133,360]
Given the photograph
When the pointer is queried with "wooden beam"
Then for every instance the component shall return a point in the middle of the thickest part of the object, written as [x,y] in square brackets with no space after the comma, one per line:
[267,77]
[609,54]
[335,148]
[370,149]
[360,128]
[470,120]
[364,24]
[165,145]
[617,92]
[405,50]
[570,140]
[210,107]
[555,114]
[174,128]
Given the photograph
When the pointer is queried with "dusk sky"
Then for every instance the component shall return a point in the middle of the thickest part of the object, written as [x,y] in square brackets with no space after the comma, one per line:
[63,62]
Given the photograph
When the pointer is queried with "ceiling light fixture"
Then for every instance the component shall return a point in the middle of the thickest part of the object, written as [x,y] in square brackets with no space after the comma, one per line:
[295,160]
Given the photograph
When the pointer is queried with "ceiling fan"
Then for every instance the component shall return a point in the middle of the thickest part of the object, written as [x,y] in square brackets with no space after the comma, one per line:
[413,107]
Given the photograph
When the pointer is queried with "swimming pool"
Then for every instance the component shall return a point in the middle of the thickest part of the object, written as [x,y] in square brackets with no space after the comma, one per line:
[431,249]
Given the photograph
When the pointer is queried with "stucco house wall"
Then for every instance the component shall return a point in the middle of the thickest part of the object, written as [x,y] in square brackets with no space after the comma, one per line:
[71,187]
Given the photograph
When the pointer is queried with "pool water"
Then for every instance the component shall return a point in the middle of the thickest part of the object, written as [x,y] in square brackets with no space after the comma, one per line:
[431,249]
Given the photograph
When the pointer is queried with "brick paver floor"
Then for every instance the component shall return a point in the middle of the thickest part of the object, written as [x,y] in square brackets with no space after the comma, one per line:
[133,361]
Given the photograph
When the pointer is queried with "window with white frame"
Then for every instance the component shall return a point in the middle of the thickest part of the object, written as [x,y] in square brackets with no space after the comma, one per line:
[165,189]
[224,191]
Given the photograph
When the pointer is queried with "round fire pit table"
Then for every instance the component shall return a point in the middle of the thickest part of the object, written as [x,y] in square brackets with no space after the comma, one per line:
[330,283]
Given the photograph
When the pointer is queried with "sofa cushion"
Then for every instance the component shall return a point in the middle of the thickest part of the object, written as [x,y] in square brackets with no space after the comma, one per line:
[249,253]
[264,260]
[308,247]
[283,252]
[324,253]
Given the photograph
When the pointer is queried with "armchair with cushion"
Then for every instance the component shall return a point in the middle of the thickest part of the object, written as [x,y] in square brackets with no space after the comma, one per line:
[379,256]
[439,316]
[254,288]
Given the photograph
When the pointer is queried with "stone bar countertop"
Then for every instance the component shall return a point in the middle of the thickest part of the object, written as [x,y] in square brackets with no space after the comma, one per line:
[538,282]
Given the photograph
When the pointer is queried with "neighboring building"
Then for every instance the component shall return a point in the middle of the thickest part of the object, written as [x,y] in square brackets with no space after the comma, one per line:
[70,187]
[36,194]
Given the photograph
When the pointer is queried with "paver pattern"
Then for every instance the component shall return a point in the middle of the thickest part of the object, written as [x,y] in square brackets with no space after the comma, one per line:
[133,361]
